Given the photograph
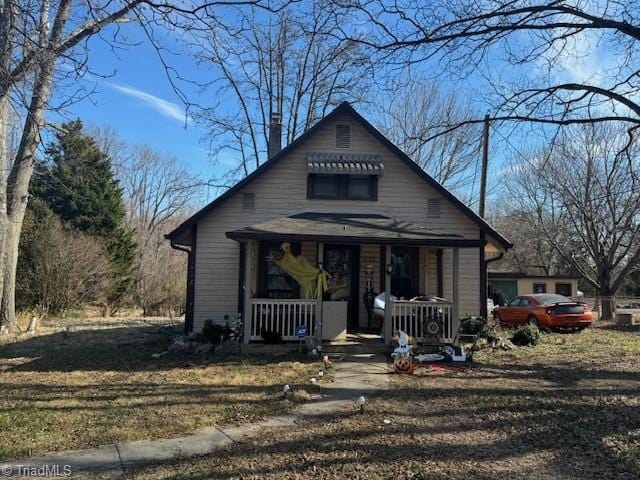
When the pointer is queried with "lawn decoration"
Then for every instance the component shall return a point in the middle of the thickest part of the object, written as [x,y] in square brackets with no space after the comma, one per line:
[402,356]
[361,402]
[310,278]
[404,343]
[286,389]
[429,357]
[404,364]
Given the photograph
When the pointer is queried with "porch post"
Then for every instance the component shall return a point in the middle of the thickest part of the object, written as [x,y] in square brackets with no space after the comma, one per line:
[319,319]
[456,291]
[247,310]
[388,332]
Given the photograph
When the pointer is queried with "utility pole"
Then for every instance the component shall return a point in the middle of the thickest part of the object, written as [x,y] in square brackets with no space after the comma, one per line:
[485,163]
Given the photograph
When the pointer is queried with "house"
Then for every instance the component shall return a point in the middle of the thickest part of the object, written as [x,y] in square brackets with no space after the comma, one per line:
[503,286]
[343,197]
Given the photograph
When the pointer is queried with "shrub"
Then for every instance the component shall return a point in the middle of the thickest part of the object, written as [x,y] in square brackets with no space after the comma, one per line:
[526,335]
[472,325]
[214,333]
[478,326]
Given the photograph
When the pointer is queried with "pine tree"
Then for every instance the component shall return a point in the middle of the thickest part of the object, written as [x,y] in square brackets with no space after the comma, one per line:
[77,183]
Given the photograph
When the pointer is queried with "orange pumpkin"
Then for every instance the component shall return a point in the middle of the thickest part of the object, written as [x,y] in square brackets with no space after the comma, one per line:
[404,364]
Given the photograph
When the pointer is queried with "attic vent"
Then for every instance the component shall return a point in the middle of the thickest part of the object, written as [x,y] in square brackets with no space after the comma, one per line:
[248,202]
[343,136]
[433,207]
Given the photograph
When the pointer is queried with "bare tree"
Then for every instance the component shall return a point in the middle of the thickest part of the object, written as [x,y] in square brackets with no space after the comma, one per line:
[412,117]
[157,191]
[585,196]
[532,252]
[285,64]
[43,44]
[535,40]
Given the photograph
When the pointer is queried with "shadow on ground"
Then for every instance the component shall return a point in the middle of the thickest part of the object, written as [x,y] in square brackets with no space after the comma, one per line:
[127,348]
[553,414]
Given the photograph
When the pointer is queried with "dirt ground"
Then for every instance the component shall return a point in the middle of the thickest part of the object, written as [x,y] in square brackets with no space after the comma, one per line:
[568,408]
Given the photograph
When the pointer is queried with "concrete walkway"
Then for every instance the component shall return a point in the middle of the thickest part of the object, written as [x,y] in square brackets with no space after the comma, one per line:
[355,375]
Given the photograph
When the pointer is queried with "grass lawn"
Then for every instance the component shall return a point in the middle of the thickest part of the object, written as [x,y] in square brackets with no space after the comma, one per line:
[91,387]
[568,408]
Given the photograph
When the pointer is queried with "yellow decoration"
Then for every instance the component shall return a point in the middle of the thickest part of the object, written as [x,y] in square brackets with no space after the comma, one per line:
[303,272]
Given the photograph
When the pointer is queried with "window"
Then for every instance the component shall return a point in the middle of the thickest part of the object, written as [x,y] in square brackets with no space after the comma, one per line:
[344,187]
[564,289]
[539,288]
[515,302]
[324,186]
[275,283]
[343,136]
[358,186]
[433,208]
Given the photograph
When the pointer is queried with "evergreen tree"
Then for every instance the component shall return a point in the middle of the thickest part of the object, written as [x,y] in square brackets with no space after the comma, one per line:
[77,183]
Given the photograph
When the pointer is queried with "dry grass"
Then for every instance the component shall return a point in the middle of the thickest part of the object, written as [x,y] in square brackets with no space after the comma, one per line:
[568,408]
[91,387]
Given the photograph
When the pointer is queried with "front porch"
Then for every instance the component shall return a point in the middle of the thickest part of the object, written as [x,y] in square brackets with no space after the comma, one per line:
[380,256]
[286,316]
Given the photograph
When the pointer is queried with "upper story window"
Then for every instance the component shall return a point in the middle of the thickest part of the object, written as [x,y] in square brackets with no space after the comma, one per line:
[343,136]
[342,187]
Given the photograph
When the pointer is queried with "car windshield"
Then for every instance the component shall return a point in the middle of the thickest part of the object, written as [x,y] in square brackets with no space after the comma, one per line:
[551,299]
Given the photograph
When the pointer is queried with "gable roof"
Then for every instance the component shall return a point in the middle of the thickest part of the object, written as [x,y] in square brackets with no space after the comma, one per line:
[345,108]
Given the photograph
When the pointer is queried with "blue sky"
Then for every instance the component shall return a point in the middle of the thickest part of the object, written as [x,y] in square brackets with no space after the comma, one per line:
[139,103]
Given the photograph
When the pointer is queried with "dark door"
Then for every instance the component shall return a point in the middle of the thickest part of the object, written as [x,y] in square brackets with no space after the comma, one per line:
[342,263]
[404,278]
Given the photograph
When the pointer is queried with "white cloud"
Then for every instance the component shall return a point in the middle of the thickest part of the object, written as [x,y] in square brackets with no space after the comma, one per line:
[166,108]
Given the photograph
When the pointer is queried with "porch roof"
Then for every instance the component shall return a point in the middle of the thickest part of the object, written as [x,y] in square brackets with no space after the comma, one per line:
[351,228]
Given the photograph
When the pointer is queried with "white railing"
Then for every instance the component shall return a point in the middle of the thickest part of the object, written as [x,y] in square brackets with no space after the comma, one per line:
[282,316]
[411,316]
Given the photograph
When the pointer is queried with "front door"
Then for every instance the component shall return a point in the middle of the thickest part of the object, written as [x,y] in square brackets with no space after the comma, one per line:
[342,263]
[404,278]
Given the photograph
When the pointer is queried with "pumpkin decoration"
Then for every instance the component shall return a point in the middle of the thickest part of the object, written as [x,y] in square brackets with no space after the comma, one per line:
[404,364]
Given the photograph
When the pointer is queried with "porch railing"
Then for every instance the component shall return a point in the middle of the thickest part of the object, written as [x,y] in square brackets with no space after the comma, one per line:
[411,316]
[282,316]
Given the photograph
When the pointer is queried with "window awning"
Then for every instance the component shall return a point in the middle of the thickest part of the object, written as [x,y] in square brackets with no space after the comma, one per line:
[351,228]
[343,163]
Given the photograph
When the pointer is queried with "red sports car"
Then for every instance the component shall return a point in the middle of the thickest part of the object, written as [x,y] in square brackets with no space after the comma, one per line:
[546,311]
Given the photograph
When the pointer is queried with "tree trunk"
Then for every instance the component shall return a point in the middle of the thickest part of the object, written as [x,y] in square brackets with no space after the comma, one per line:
[18,189]
[608,304]
[8,311]
[4,167]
